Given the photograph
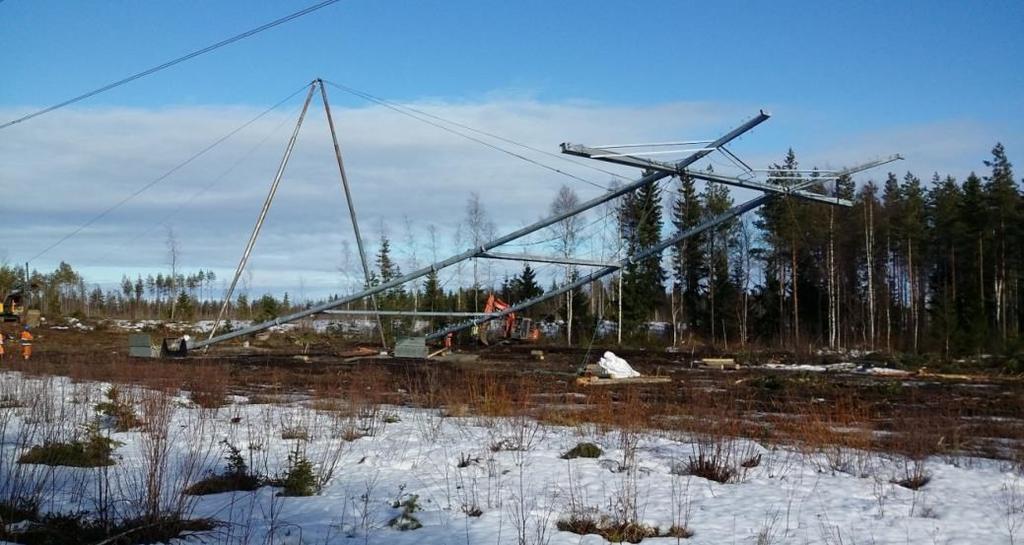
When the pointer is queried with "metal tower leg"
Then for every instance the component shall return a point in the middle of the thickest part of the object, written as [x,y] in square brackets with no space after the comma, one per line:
[352,211]
[263,212]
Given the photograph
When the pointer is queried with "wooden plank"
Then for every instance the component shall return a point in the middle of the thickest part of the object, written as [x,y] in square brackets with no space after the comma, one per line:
[597,381]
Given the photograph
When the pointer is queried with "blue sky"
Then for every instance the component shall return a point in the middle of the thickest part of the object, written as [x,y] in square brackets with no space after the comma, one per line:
[938,81]
[860,63]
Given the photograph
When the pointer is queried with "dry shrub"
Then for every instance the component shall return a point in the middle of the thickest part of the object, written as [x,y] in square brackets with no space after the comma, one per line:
[425,386]
[711,460]
[719,452]
[486,395]
[840,431]
[569,417]
[368,385]
[616,532]
[914,473]
[913,437]
[297,432]
[517,434]
[268,399]
[120,408]
[208,386]
[330,405]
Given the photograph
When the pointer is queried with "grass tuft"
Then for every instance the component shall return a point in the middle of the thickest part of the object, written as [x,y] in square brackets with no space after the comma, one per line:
[617,532]
[95,451]
[76,529]
[236,478]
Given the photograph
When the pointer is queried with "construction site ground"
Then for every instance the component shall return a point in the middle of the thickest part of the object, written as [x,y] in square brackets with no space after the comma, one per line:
[915,414]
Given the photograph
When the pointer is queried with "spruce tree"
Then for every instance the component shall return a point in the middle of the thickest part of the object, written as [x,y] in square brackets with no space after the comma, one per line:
[971,291]
[640,224]
[945,235]
[389,271]
[688,264]
[525,285]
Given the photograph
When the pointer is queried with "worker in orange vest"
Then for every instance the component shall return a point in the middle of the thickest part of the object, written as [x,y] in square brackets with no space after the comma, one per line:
[26,343]
[1,345]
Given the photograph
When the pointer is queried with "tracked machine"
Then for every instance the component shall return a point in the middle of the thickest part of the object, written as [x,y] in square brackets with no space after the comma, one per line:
[14,308]
[513,327]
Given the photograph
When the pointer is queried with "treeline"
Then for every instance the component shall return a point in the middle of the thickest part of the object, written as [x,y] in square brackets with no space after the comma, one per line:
[912,266]
[64,292]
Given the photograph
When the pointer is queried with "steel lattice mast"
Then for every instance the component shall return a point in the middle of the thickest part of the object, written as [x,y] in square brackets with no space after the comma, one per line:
[649,178]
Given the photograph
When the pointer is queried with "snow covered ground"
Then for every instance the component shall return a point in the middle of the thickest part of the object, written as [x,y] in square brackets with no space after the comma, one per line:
[511,471]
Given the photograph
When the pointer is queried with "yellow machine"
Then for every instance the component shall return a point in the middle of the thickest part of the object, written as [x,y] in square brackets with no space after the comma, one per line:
[13,309]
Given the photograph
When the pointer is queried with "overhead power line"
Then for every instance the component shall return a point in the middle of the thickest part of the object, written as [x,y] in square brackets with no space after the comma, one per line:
[165,175]
[165,221]
[422,116]
[171,63]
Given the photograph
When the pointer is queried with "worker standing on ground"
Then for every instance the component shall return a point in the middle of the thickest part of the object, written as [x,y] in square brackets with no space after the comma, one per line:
[26,343]
[1,345]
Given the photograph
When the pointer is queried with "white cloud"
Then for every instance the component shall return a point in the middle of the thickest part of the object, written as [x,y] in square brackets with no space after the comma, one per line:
[61,169]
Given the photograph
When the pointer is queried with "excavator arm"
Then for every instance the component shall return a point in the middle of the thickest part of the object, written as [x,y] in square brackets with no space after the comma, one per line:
[495,304]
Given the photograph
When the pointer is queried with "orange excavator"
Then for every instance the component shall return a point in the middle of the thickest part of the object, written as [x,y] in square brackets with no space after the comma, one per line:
[515,328]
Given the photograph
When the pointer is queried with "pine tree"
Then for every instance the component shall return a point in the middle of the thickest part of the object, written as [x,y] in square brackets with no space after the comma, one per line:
[778,221]
[912,227]
[1003,203]
[721,293]
[127,289]
[870,261]
[946,233]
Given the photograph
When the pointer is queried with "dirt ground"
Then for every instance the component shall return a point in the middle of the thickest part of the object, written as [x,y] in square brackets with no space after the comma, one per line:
[914,415]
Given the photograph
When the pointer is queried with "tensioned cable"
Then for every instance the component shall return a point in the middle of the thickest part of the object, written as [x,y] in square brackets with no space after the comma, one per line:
[555,237]
[368,96]
[171,63]
[405,110]
[165,175]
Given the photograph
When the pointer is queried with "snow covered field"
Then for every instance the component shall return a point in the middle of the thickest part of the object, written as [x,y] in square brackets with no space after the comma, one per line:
[482,479]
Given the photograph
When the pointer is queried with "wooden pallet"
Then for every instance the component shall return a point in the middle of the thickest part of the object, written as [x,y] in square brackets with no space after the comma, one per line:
[601,381]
